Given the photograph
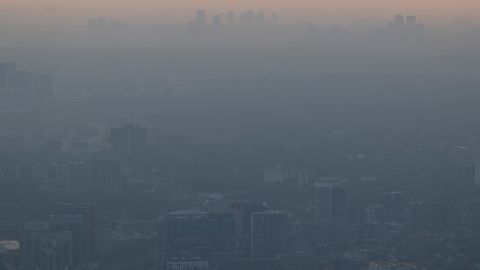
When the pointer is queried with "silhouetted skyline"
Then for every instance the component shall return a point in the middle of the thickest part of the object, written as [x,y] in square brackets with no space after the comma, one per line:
[239,135]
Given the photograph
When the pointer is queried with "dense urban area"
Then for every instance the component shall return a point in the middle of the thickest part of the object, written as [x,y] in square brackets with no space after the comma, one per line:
[252,144]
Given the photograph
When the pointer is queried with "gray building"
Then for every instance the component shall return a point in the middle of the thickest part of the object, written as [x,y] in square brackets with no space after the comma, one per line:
[329,202]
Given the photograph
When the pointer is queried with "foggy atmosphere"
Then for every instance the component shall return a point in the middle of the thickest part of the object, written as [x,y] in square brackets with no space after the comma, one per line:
[239,135]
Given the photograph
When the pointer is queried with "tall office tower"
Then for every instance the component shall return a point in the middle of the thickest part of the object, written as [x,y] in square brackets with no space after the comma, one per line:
[201,17]
[411,20]
[268,234]
[190,234]
[47,250]
[105,177]
[101,24]
[399,19]
[56,251]
[260,19]
[80,221]
[102,238]
[76,181]
[477,172]
[243,215]
[329,202]
[30,243]
[99,177]
[98,25]
[43,90]
[217,21]
[128,142]
[231,18]
[275,18]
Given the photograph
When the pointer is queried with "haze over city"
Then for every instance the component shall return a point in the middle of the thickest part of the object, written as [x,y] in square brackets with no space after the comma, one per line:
[239,135]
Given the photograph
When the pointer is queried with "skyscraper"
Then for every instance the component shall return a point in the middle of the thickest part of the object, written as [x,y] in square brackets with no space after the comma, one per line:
[329,201]
[105,177]
[275,18]
[47,250]
[201,17]
[217,21]
[399,19]
[24,86]
[76,181]
[128,142]
[56,251]
[231,18]
[260,19]
[193,234]
[406,29]
[243,215]
[102,238]
[80,221]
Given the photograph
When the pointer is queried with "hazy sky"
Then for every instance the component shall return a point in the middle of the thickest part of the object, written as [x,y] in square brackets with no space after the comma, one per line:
[429,9]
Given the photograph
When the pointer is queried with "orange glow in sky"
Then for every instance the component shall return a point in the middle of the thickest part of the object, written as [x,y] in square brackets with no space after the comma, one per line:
[433,9]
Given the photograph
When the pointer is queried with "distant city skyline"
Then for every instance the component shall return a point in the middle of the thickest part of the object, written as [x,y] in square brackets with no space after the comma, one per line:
[179,10]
